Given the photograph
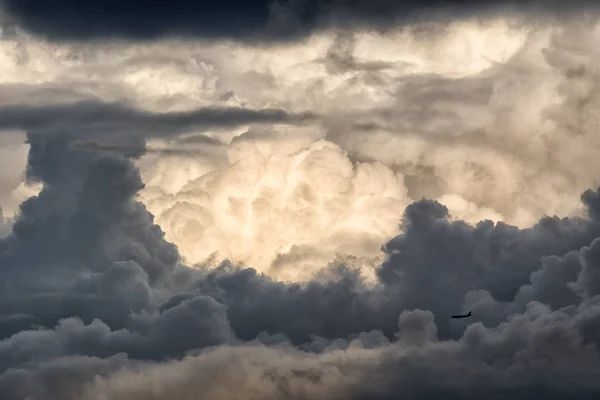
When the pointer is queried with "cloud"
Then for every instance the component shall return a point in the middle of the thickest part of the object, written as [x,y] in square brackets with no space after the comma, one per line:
[512,360]
[102,119]
[87,266]
[246,20]
[442,124]
[310,195]
[328,255]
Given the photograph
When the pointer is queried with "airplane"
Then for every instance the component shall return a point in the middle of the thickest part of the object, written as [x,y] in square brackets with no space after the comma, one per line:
[461,316]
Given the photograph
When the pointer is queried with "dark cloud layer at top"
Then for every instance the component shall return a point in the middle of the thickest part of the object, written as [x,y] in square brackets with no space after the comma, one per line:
[247,20]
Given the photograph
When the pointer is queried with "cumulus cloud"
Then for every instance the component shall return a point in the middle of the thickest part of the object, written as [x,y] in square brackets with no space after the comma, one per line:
[486,132]
[88,309]
[301,219]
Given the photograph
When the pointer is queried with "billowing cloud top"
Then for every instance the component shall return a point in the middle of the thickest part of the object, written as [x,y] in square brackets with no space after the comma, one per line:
[195,217]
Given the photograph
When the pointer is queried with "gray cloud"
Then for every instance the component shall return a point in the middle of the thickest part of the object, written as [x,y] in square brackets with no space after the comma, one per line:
[90,117]
[95,302]
[136,151]
[537,353]
[87,266]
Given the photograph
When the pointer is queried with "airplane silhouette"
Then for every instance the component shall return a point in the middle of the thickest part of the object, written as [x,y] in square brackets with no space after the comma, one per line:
[461,316]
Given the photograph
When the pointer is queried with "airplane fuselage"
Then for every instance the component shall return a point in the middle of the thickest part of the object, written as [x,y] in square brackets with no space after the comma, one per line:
[461,316]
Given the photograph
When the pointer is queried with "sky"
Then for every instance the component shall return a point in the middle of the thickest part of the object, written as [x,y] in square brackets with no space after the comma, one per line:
[270,200]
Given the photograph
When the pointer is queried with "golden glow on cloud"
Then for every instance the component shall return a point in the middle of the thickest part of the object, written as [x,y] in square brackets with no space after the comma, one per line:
[462,113]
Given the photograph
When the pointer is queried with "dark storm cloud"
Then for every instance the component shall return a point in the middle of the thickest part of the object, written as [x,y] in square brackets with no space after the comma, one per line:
[537,353]
[56,378]
[89,286]
[119,128]
[246,20]
[96,117]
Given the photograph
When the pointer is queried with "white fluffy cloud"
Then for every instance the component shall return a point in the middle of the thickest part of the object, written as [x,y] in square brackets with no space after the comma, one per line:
[469,112]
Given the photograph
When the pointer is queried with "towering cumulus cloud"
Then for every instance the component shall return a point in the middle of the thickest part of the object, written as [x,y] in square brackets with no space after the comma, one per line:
[290,199]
